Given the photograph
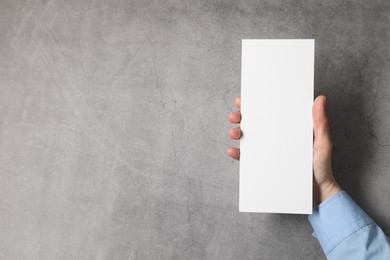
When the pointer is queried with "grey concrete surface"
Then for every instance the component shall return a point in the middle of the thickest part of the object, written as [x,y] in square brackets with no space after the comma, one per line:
[113,124]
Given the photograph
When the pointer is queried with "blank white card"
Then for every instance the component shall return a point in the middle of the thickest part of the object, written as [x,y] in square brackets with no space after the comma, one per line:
[277,85]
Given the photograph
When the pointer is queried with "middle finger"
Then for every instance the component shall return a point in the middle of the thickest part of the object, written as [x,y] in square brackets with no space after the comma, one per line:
[235,117]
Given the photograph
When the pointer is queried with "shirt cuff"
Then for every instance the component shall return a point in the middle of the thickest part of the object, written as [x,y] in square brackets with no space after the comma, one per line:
[337,218]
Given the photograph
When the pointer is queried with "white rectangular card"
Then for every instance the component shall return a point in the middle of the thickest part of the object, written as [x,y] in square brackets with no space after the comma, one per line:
[277,87]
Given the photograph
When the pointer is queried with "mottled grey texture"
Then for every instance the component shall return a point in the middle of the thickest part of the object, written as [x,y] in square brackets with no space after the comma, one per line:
[113,124]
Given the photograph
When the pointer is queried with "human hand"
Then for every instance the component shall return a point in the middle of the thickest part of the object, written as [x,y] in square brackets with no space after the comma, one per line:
[324,184]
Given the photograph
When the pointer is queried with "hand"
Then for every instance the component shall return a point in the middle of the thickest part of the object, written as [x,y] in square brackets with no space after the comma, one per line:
[324,184]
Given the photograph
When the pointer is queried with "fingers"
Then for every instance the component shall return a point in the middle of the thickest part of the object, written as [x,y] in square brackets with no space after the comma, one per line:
[237,101]
[235,133]
[234,153]
[235,117]
[319,114]
[320,121]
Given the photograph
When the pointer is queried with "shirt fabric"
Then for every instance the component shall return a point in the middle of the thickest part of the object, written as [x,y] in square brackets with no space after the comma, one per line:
[345,231]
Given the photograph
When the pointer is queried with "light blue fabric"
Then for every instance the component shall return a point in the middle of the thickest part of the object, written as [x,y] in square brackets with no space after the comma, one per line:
[346,232]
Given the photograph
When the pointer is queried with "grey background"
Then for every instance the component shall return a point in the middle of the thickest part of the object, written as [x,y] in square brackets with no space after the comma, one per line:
[113,124]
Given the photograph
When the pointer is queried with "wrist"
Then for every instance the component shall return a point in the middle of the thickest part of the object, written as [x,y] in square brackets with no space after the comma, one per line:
[328,189]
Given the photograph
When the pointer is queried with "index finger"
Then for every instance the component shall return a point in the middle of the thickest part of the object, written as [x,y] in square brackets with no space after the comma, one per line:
[237,101]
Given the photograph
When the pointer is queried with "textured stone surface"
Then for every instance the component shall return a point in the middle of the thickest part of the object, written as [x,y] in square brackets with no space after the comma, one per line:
[113,124]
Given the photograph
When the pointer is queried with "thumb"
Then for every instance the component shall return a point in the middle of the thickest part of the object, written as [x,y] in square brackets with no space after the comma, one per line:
[320,122]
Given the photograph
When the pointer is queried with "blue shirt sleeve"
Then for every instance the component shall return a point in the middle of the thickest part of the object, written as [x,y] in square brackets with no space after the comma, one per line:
[345,231]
